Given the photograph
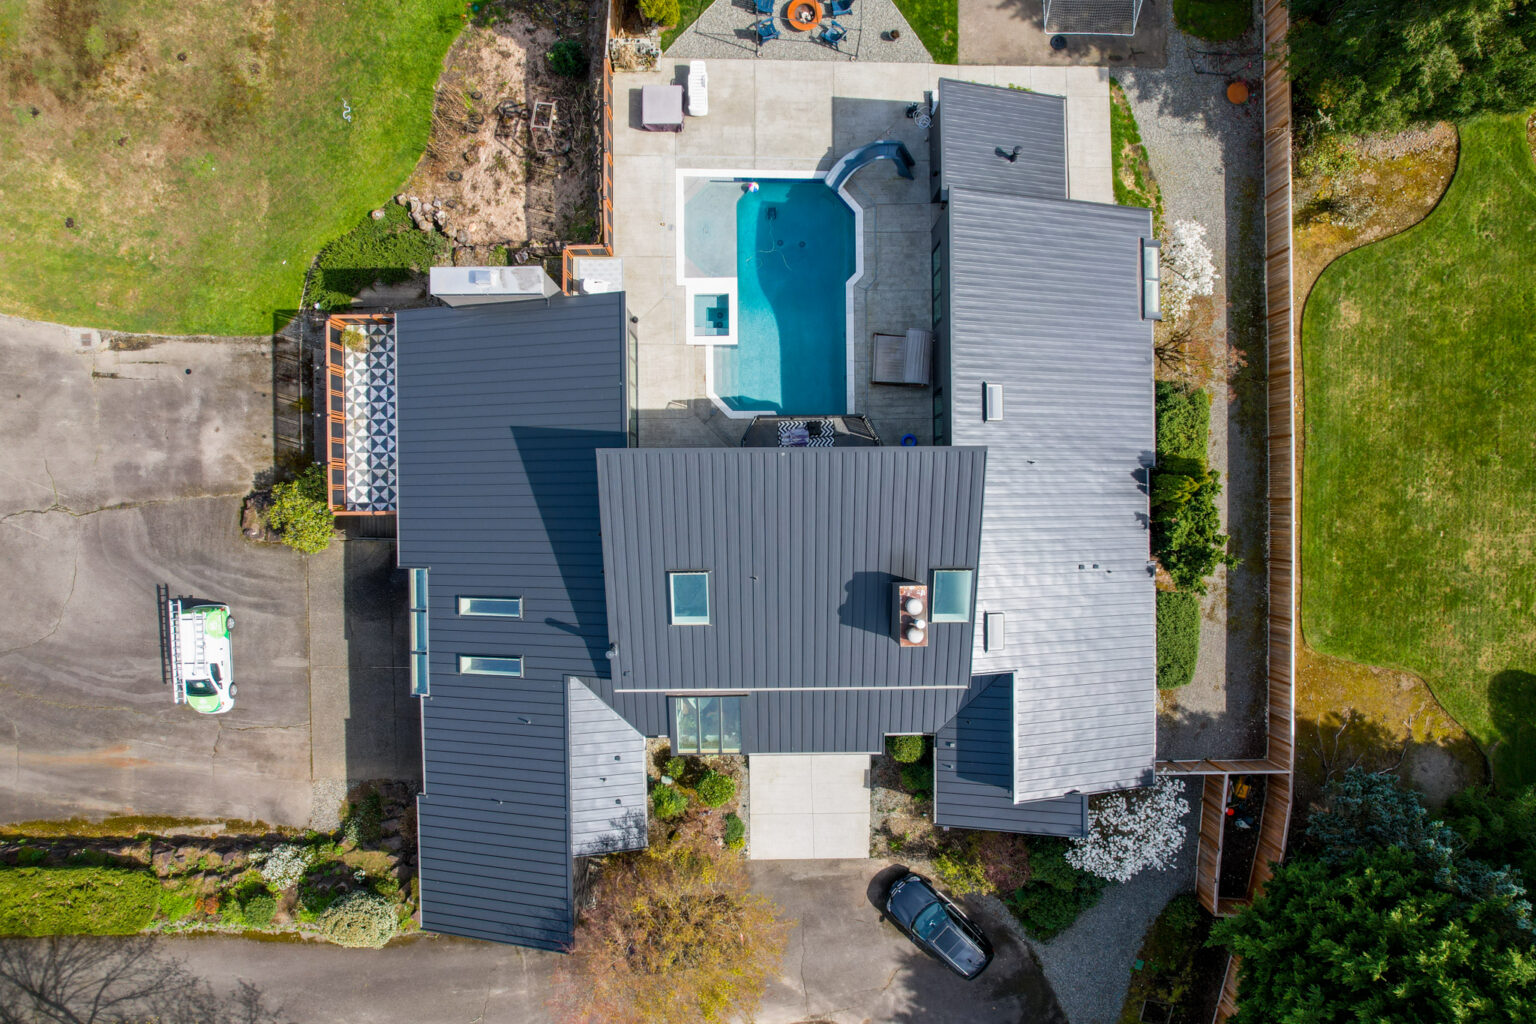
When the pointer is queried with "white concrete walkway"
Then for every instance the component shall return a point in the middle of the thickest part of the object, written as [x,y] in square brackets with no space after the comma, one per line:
[806,806]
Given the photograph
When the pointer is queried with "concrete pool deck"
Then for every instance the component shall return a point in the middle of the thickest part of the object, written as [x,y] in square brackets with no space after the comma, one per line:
[791,116]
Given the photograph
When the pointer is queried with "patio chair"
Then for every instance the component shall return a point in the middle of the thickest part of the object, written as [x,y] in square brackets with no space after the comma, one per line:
[765,30]
[837,7]
[832,34]
[764,6]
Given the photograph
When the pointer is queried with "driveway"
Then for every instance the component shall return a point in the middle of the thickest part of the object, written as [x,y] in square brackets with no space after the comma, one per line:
[123,469]
[843,965]
[846,964]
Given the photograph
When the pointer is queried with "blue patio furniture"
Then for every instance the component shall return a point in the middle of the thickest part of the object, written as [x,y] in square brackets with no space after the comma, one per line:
[836,7]
[766,30]
[832,34]
[764,6]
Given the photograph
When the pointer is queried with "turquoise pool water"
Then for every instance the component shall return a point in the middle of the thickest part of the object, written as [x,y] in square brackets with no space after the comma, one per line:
[794,255]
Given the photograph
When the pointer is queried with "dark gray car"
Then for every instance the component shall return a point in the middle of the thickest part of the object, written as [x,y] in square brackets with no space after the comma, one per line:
[938,927]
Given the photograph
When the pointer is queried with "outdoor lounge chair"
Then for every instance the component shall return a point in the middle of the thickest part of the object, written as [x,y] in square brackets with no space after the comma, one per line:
[832,34]
[764,6]
[903,360]
[765,30]
[837,7]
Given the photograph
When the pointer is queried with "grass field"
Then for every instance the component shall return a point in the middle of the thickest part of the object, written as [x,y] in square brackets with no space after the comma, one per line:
[1419,542]
[937,24]
[1213,20]
[161,159]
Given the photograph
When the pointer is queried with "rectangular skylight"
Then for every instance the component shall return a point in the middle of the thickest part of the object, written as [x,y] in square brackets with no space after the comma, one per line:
[1151,280]
[482,665]
[500,607]
[950,598]
[689,592]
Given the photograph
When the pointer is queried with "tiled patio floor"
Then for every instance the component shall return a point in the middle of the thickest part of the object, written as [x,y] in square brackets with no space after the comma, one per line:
[370,417]
[801,116]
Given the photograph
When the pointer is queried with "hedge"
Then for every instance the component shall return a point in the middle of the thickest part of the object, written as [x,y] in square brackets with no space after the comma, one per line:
[76,901]
[1178,637]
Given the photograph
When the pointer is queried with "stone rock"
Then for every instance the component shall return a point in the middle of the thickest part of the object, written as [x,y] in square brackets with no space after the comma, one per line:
[425,225]
[393,843]
[377,214]
[391,825]
[163,862]
[402,199]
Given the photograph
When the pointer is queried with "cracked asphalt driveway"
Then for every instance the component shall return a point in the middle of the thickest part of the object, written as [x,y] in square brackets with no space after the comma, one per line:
[120,470]
[846,965]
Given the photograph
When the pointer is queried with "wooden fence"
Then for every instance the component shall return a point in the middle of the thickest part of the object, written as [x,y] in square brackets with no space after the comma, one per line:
[1280,335]
[604,245]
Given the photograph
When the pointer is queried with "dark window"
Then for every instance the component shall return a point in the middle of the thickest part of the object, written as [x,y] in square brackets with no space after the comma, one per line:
[707,725]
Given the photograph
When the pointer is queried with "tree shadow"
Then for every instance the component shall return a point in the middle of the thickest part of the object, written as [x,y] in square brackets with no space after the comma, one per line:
[100,980]
[1512,705]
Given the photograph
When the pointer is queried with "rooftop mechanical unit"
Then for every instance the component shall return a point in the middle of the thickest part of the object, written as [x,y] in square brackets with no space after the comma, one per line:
[468,286]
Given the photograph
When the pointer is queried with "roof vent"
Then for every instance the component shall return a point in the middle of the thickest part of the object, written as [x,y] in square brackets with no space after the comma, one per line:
[996,634]
[991,402]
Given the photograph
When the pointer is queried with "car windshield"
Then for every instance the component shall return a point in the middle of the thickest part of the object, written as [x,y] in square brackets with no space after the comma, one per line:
[201,687]
[930,922]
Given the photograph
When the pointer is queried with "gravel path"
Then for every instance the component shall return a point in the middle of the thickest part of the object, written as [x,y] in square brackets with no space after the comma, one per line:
[724,31]
[1089,964]
[1208,159]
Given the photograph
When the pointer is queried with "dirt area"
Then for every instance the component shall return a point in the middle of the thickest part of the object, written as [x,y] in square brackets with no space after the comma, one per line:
[513,155]
[1347,713]
[1393,184]
[900,824]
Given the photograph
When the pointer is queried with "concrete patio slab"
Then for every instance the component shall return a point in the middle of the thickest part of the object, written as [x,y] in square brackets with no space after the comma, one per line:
[809,806]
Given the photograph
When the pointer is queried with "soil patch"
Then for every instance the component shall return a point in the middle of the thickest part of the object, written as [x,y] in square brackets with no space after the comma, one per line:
[511,164]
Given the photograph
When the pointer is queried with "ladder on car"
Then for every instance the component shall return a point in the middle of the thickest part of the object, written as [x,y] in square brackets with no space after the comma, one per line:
[173,627]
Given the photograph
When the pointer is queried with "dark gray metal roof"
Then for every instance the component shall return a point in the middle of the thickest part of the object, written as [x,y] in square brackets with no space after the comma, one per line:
[1045,300]
[976,121]
[803,546]
[501,408]
[973,773]
[608,795]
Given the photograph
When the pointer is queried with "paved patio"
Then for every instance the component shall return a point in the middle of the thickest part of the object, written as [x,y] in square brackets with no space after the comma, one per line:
[784,116]
[724,31]
[809,806]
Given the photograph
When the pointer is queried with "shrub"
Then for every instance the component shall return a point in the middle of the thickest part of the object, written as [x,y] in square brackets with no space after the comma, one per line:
[917,779]
[389,250]
[257,908]
[715,789]
[359,919]
[567,58]
[1186,534]
[1056,893]
[1178,637]
[300,513]
[1131,832]
[77,900]
[961,870]
[1183,421]
[177,904]
[675,768]
[668,802]
[282,868]
[363,820]
[674,933]
[735,831]
[663,12]
[906,749]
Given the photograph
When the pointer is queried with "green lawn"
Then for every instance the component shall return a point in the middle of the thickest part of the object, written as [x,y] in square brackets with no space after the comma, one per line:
[1419,513]
[1213,20]
[1133,180]
[688,13]
[162,159]
[937,24]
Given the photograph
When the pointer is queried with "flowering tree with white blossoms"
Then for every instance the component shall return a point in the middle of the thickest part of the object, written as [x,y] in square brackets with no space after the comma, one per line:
[1190,266]
[1128,833]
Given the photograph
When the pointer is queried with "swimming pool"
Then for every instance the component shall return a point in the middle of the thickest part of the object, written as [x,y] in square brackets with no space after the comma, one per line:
[795,250]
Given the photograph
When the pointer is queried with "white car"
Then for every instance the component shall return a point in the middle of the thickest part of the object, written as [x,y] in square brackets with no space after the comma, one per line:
[202,675]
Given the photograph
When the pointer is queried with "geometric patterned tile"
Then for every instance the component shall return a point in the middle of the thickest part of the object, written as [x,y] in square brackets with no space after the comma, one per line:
[369,378]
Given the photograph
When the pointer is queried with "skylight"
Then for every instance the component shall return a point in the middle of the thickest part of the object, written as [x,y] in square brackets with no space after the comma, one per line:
[690,598]
[950,600]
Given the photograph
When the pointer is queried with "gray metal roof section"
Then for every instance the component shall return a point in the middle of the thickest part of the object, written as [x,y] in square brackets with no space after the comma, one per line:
[978,124]
[607,757]
[802,546]
[501,408]
[973,777]
[1045,301]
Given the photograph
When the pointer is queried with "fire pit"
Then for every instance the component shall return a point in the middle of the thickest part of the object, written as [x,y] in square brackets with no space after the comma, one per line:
[803,15]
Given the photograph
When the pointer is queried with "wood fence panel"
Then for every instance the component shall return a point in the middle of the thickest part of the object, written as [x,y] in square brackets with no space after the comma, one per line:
[1213,805]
